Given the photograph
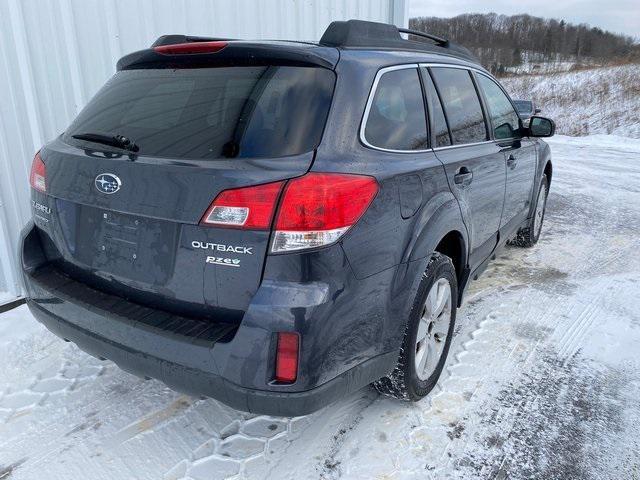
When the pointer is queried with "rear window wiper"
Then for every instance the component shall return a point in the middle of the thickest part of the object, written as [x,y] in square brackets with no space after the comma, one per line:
[119,141]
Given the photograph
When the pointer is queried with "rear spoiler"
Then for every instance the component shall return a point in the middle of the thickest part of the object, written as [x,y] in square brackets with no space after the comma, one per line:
[182,51]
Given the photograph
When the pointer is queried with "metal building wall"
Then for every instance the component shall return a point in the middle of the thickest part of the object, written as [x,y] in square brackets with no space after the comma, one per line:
[55,54]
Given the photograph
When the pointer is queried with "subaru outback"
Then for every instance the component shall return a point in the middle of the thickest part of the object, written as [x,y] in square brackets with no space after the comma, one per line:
[277,224]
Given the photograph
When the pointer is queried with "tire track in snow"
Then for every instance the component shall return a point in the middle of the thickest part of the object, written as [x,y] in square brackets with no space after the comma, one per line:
[526,354]
[570,341]
[520,355]
[440,402]
[143,425]
[52,382]
[253,446]
[542,355]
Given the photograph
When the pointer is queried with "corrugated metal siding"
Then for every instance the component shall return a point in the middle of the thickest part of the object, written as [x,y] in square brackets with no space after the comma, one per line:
[55,54]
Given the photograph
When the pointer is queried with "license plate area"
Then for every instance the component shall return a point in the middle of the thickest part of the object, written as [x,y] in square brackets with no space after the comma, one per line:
[128,247]
[120,235]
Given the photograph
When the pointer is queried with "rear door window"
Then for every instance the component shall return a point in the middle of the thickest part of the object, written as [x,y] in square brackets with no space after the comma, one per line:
[461,104]
[439,123]
[208,113]
[505,120]
[397,119]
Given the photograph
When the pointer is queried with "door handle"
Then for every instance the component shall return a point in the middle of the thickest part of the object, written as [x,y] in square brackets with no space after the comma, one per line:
[464,177]
[512,162]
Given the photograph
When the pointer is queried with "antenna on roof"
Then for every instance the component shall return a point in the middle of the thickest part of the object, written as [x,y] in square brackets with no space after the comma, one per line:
[443,42]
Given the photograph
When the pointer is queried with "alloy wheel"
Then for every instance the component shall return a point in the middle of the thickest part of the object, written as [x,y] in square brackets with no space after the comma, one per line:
[433,328]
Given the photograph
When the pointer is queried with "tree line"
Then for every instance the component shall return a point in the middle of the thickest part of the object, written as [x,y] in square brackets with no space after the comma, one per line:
[501,41]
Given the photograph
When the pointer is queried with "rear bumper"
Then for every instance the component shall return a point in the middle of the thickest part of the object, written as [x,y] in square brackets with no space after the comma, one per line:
[231,363]
[201,382]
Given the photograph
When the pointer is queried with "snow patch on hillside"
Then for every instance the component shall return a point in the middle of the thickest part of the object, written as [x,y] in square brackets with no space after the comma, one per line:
[596,101]
[536,63]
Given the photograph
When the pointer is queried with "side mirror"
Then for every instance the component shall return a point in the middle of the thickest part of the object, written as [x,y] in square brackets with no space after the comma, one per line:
[537,110]
[541,127]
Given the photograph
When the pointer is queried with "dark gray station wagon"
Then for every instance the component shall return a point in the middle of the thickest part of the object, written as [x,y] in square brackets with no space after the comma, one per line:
[278,224]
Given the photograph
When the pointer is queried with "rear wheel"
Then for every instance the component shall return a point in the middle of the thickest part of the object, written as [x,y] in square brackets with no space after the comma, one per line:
[528,236]
[427,336]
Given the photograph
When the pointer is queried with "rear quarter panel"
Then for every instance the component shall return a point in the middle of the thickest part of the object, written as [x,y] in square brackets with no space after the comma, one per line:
[388,249]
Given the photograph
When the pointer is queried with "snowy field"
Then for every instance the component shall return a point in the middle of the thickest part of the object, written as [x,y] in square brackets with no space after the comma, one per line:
[543,379]
[586,102]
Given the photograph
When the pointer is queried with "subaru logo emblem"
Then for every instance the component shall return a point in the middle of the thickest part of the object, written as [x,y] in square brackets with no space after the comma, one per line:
[108,183]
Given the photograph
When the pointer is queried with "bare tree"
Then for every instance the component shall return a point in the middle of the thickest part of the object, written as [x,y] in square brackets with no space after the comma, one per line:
[502,41]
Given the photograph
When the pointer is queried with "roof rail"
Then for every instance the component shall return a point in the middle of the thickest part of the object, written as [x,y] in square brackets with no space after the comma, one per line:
[443,42]
[373,35]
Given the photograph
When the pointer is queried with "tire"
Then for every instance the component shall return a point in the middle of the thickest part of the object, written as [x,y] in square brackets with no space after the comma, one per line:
[406,381]
[528,236]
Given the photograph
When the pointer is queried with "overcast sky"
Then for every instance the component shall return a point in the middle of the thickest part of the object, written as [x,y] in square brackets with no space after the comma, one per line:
[620,16]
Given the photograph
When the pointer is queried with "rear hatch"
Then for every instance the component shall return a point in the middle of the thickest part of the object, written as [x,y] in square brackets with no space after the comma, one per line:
[128,216]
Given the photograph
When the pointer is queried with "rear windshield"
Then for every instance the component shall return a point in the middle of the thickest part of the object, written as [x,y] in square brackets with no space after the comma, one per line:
[266,111]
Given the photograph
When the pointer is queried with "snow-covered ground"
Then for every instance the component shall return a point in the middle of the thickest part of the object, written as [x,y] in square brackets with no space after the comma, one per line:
[5,297]
[602,100]
[543,380]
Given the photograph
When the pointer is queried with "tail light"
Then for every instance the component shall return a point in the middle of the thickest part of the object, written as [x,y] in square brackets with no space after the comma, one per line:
[191,47]
[249,208]
[318,208]
[287,357]
[38,175]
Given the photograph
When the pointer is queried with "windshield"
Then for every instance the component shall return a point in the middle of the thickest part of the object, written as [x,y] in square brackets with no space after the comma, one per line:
[523,106]
[229,112]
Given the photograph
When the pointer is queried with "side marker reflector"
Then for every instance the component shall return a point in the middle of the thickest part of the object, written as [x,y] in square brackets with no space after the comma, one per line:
[287,357]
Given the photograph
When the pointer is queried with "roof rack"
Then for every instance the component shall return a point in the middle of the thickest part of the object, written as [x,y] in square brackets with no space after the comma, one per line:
[374,35]
[443,42]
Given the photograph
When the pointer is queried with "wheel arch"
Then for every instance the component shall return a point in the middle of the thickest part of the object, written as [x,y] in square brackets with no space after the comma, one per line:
[439,217]
[452,244]
[439,228]
[544,167]
[548,171]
